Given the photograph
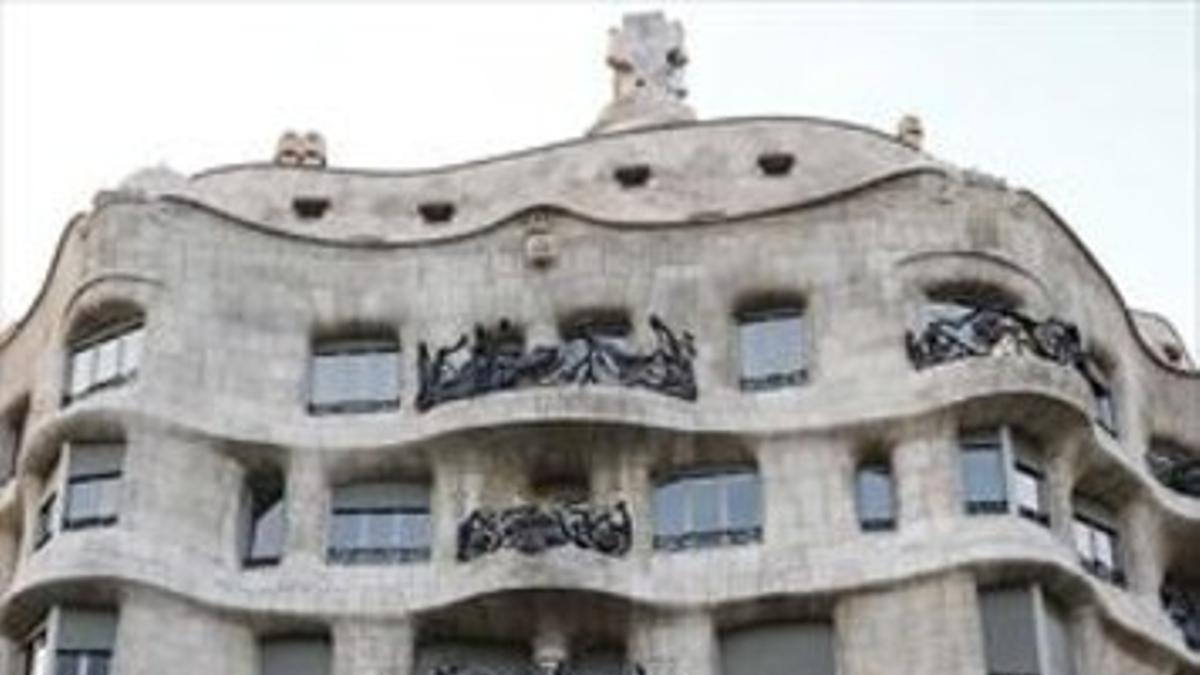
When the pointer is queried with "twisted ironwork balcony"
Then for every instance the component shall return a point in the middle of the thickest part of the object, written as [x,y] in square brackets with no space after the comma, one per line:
[630,668]
[975,331]
[1183,607]
[497,359]
[535,528]
[1175,468]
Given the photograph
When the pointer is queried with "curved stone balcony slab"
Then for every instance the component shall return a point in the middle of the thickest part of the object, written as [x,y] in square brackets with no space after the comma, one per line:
[800,568]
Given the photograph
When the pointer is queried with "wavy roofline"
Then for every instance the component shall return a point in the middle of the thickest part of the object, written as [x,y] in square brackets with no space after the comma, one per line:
[10,333]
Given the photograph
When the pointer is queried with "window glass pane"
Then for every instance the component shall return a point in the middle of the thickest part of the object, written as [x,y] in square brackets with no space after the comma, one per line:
[705,498]
[327,385]
[800,648]
[83,500]
[1105,548]
[771,347]
[875,494]
[131,351]
[1082,533]
[416,530]
[37,656]
[983,475]
[377,376]
[743,500]
[268,532]
[1029,490]
[107,360]
[669,509]
[81,371]
[383,530]
[1009,630]
[343,531]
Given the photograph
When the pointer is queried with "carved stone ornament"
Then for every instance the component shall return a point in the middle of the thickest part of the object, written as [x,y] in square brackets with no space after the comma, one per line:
[647,57]
[534,528]
[1175,468]
[541,248]
[980,331]
[496,359]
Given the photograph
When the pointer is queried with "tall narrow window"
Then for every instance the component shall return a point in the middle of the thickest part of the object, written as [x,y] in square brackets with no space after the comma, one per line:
[380,523]
[1096,540]
[12,434]
[709,507]
[44,526]
[355,375]
[93,485]
[1029,479]
[875,495]
[105,356]
[983,474]
[791,648]
[295,656]
[771,348]
[265,519]
[85,642]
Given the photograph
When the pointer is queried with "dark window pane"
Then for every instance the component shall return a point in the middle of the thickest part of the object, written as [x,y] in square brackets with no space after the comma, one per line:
[983,475]
[876,501]
[771,349]
[744,502]
[705,494]
[670,514]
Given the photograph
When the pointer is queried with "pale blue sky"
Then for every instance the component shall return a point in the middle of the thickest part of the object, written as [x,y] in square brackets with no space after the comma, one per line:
[1092,106]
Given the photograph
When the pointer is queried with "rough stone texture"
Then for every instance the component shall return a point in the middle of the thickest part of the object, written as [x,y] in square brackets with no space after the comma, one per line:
[234,285]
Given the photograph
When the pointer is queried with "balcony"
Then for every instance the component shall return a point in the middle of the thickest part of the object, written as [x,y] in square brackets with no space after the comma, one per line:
[531,529]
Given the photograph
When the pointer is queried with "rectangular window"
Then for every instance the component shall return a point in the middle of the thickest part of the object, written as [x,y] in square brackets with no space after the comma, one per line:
[1025,632]
[106,358]
[93,485]
[983,474]
[1106,410]
[771,346]
[875,497]
[380,523]
[350,376]
[791,648]
[36,655]
[1030,493]
[85,642]
[295,656]
[708,509]
[1096,540]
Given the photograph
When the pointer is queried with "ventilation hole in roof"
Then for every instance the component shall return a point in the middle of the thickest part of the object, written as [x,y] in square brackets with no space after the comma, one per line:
[1173,353]
[310,208]
[776,163]
[436,212]
[632,175]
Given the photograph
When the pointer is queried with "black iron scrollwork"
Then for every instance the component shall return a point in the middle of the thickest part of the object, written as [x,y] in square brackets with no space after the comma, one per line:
[986,331]
[1175,468]
[496,359]
[1183,607]
[530,669]
[534,528]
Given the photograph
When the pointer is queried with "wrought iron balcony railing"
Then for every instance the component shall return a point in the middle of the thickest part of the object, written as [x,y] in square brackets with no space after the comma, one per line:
[1175,468]
[1183,606]
[979,331]
[534,528]
[497,359]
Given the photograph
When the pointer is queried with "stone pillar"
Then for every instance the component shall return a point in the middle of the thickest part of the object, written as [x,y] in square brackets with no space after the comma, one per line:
[925,465]
[155,628]
[373,647]
[307,495]
[929,627]
[674,643]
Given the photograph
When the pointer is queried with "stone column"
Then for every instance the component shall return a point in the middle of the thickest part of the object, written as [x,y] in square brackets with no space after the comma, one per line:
[925,465]
[307,508]
[373,647]
[674,643]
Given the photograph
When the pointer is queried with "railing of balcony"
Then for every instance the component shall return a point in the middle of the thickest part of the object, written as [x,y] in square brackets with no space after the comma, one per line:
[534,528]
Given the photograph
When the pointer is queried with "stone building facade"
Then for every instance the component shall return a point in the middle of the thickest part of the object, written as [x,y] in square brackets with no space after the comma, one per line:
[745,396]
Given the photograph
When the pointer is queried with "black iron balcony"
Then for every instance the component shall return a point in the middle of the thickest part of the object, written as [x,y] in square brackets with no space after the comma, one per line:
[534,528]
[1175,468]
[1182,605]
[497,359]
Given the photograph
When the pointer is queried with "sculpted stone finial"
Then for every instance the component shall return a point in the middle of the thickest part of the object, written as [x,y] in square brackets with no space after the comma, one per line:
[911,132]
[296,150]
[647,58]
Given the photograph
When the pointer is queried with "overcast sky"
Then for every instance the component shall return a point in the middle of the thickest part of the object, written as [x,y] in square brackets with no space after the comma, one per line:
[1091,106]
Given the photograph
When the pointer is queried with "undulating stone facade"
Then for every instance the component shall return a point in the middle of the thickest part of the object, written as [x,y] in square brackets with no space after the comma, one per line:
[769,395]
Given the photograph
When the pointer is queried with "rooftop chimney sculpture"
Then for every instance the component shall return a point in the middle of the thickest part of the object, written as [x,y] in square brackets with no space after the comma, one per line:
[647,57]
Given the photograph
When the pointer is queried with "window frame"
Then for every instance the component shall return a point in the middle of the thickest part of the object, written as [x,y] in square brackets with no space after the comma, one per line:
[1087,553]
[382,555]
[37,639]
[253,523]
[89,659]
[797,376]
[115,331]
[334,347]
[968,443]
[691,538]
[43,530]
[882,468]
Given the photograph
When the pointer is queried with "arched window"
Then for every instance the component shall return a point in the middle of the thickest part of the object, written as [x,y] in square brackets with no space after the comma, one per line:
[104,351]
[707,506]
